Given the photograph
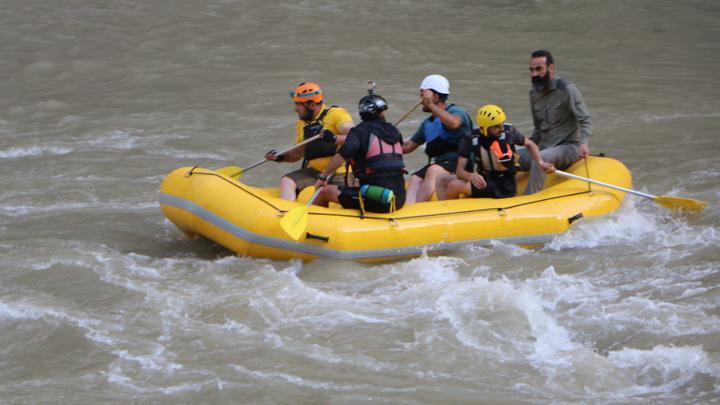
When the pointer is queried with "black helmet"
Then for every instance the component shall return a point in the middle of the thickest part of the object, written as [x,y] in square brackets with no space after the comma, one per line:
[372,104]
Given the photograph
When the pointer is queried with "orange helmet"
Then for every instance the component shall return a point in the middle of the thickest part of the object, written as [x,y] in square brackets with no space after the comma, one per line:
[307,91]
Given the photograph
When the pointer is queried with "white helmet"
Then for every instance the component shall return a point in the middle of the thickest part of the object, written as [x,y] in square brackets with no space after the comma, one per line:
[436,82]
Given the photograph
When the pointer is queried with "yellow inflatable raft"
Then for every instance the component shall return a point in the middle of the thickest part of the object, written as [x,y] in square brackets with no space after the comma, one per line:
[246,219]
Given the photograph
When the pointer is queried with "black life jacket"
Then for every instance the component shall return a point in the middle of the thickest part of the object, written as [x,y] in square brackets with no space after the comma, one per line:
[493,154]
[382,158]
[319,148]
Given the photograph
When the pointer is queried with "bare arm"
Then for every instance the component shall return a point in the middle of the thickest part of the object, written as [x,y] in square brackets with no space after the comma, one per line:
[473,177]
[537,157]
[292,155]
[336,161]
[342,132]
[460,171]
[451,121]
[409,146]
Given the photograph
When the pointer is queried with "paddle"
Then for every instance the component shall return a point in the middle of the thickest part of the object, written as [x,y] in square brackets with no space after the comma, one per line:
[237,171]
[676,203]
[408,113]
[234,171]
[295,221]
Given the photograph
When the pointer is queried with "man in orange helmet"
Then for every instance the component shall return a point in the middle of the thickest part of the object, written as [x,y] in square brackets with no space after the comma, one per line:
[314,118]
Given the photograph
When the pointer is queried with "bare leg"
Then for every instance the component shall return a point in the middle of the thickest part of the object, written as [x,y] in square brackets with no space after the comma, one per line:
[287,189]
[457,187]
[427,188]
[441,185]
[412,190]
[329,194]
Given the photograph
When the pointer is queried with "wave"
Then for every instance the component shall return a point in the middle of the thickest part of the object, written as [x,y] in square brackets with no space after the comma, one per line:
[25,210]
[637,224]
[647,118]
[664,369]
[17,153]
[426,320]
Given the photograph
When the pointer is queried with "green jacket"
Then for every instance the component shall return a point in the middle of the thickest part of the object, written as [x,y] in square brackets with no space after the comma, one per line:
[560,116]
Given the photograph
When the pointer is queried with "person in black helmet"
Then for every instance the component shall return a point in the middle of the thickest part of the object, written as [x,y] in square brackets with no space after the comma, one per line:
[374,150]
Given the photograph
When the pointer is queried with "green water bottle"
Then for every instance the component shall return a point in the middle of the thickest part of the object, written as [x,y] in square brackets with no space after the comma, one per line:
[377,193]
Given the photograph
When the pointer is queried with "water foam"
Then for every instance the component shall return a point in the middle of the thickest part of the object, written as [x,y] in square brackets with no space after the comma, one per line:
[18,153]
[665,368]
[95,205]
[95,330]
[636,225]
[115,140]
[648,118]
[447,311]
[275,377]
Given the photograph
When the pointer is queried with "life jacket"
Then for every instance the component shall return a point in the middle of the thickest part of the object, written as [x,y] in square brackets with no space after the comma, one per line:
[319,148]
[440,143]
[493,154]
[382,159]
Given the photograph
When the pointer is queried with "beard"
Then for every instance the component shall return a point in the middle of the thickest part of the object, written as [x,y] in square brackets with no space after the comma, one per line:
[540,83]
[306,116]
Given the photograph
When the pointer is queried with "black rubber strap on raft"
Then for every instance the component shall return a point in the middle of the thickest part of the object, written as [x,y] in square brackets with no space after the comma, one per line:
[575,218]
[309,235]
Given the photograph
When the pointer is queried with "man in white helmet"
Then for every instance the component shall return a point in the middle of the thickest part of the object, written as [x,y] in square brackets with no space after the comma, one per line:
[442,132]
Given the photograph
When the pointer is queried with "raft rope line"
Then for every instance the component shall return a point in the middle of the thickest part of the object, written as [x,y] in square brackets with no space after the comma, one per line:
[587,174]
[392,218]
[192,172]
[452,212]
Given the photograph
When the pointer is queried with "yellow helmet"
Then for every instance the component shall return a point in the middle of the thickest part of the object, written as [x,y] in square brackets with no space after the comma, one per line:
[490,115]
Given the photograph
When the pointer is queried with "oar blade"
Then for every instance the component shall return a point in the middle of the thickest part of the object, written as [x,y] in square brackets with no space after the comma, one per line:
[230,171]
[679,203]
[295,222]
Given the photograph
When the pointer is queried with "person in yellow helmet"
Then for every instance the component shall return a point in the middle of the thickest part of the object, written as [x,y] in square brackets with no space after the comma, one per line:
[492,149]
[314,118]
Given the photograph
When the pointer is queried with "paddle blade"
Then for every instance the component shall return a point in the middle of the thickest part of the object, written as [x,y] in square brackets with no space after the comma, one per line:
[230,171]
[295,222]
[679,203]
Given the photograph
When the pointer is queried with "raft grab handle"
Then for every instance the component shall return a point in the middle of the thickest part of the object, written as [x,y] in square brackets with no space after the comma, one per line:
[574,218]
[309,235]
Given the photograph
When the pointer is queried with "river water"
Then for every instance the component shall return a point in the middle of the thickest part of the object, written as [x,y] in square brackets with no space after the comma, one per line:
[103,300]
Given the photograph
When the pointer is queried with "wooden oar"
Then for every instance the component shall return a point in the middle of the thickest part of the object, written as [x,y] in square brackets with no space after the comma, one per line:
[675,203]
[295,221]
[408,113]
[234,171]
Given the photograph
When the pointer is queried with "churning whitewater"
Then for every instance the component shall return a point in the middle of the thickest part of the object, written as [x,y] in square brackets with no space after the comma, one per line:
[102,299]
